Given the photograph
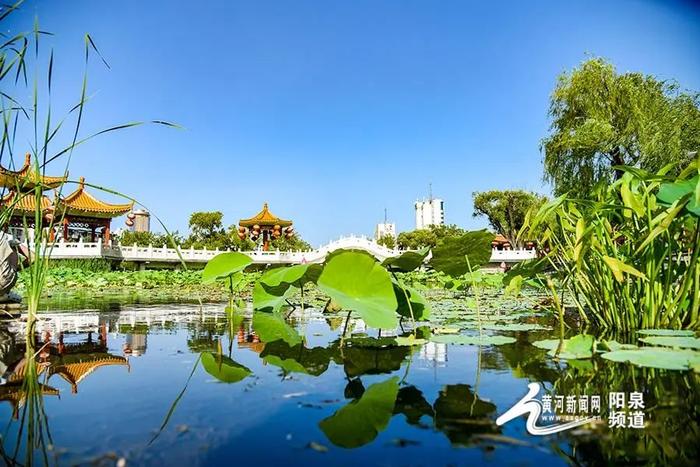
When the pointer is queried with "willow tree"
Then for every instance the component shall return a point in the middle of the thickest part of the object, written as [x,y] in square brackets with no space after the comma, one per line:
[602,119]
[506,210]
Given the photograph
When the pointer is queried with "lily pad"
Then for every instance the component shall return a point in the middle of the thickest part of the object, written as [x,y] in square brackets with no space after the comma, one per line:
[223,368]
[419,305]
[667,332]
[225,264]
[271,327]
[359,422]
[516,327]
[614,345]
[672,341]
[579,346]
[656,357]
[472,340]
[357,282]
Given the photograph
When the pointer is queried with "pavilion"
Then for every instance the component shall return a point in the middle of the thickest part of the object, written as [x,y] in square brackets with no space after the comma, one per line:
[265,225]
[78,216]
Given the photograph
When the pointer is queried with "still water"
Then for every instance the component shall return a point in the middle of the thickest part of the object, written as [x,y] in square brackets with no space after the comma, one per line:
[112,377]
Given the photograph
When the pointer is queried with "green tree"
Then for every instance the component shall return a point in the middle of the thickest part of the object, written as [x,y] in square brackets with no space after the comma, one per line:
[129,238]
[388,241]
[430,237]
[206,231]
[602,119]
[296,243]
[506,210]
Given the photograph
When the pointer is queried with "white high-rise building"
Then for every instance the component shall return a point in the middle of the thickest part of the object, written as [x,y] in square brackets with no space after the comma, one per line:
[430,212]
[384,229]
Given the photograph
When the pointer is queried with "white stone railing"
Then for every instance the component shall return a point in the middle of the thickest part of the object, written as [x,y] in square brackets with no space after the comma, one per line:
[140,254]
[512,256]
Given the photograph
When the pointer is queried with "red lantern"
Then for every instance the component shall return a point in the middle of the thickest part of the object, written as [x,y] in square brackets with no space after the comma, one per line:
[241,235]
[131,216]
[48,217]
[129,223]
[241,230]
[256,227]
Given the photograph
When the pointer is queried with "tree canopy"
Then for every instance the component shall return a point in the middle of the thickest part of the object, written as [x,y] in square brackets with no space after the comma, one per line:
[602,119]
[430,237]
[506,210]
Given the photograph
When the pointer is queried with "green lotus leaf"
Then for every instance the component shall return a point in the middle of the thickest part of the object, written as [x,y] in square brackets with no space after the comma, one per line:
[472,340]
[516,327]
[579,346]
[297,358]
[406,261]
[223,368]
[419,305]
[270,299]
[614,345]
[657,357]
[672,341]
[450,257]
[667,332]
[223,265]
[272,327]
[357,282]
[361,421]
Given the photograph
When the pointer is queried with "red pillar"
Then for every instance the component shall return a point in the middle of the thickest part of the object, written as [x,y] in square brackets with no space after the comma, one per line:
[106,232]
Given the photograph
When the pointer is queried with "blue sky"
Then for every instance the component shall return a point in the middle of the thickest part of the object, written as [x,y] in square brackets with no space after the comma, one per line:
[332,110]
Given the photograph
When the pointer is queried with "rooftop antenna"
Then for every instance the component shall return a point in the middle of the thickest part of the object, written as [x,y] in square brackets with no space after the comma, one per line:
[430,192]
[385,221]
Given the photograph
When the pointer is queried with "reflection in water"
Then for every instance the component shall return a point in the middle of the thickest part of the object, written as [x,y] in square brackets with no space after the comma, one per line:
[358,397]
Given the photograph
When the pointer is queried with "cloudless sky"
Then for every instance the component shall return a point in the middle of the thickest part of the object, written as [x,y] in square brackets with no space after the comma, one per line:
[334,110]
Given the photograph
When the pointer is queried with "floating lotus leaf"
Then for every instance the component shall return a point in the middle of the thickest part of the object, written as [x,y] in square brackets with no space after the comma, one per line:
[223,368]
[516,327]
[409,341]
[667,332]
[223,265]
[357,282]
[656,357]
[406,261]
[297,358]
[359,422]
[272,327]
[472,340]
[579,346]
[614,345]
[672,341]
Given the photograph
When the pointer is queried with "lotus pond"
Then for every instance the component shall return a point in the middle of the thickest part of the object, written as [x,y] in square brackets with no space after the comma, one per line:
[189,385]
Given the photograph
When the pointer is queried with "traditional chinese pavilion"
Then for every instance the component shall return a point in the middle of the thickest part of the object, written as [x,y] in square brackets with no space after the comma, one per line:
[265,226]
[77,216]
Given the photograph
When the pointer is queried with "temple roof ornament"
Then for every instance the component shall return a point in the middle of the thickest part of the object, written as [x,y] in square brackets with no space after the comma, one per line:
[26,178]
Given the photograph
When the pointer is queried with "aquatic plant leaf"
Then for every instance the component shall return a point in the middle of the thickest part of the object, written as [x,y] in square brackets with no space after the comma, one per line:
[614,345]
[672,192]
[450,257]
[472,340]
[656,357]
[406,261]
[224,264]
[667,332]
[357,282]
[271,327]
[515,327]
[619,267]
[579,346]
[297,358]
[672,341]
[409,341]
[223,368]
[419,305]
[270,298]
[361,421]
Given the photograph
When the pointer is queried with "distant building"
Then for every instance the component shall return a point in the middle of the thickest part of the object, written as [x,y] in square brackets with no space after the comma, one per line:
[384,229]
[430,212]
[142,221]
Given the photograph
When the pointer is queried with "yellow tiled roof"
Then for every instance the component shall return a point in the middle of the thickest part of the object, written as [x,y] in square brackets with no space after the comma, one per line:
[80,202]
[25,204]
[25,178]
[266,218]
